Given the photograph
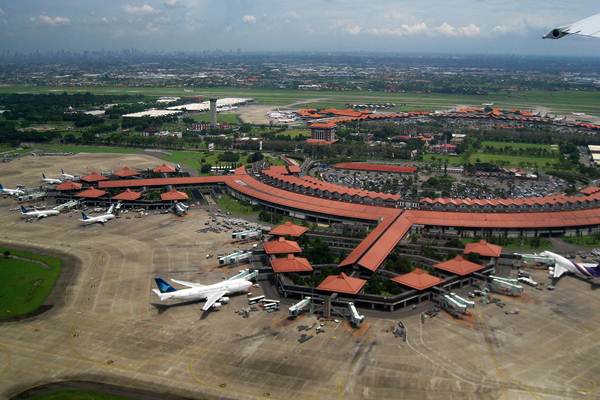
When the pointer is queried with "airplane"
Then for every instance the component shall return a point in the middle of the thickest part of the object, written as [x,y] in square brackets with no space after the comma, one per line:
[65,176]
[589,26]
[101,219]
[215,294]
[51,181]
[562,265]
[27,213]
[11,192]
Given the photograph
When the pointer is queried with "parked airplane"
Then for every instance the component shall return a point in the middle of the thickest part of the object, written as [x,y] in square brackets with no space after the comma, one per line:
[27,213]
[101,219]
[215,294]
[589,26]
[67,177]
[51,181]
[562,265]
[11,192]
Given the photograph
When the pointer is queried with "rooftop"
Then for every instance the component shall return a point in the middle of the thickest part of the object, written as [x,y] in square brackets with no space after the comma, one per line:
[459,266]
[164,169]
[173,195]
[342,283]
[91,193]
[126,172]
[128,195]
[291,264]
[289,229]
[281,246]
[93,177]
[322,125]
[418,279]
[483,248]
[69,185]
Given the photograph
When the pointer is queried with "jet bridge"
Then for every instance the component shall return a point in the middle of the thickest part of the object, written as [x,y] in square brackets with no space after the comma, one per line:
[299,307]
[455,304]
[236,257]
[248,234]
[507,286]
[67,206]
[355,318]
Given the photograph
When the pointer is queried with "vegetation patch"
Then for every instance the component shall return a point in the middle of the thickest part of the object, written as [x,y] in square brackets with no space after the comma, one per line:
[26,280]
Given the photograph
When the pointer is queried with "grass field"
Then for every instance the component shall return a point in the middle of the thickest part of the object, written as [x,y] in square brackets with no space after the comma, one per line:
[556,101]
[27,280]
[294,133]
[76,148]
[233,206]
[227,118]
[585,241]
[514,161]
[71,394]
[516,146]
[451,160]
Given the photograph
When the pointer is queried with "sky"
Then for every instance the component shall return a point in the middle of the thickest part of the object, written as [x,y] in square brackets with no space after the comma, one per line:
[397,26]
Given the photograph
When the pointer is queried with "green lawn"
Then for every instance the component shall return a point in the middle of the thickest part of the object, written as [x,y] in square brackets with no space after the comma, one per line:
[25,283]
[294,133]
[72,394]
[586,241]
[228,118]
[234,206]
[515,145]
[193,159]
[75,148]
[556,101]
[452,160]
[514,161]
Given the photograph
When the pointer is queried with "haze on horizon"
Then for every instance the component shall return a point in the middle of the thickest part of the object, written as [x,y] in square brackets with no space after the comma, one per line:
[429,26]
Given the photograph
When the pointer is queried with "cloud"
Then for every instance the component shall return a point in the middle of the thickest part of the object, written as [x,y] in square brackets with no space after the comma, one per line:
[353,29]
[402,30]
[53,21]
[144,9]
[464,31]
[173,3]
[2,12]
[249,19]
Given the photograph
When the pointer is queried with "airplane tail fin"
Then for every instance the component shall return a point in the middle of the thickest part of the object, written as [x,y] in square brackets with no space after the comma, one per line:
[1,187]
[163,286]
[84,216]
[43,175]
[23,209]
[62,171]
[111,209]
[160,295]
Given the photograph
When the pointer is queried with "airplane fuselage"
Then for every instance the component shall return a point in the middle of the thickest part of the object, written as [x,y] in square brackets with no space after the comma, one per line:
[201,293]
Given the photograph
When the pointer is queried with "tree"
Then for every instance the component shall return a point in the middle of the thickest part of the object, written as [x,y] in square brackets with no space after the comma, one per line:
[205,168]
[6,253]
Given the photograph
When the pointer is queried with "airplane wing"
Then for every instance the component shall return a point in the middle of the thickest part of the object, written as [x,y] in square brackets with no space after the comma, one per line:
[188,284]
[586,27]
[559,270]
[212,299]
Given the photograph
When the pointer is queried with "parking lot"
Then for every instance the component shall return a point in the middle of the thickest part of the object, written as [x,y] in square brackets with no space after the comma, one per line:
[109,330]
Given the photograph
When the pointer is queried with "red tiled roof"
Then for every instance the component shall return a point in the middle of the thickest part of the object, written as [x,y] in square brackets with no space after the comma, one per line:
[281,246]
[126,172]
[319,142]
[384,245]
[173,195]
[289,229]
[153,182]
[93,177]
[290,264]
[345,112]
[367,242]
[418,279]
[483,248]
[322,125]
[91,193]
[69,185]
[590,190]
[459,266]
[128,195]
[294,169]
[164,169]
[376,167]
[342,283]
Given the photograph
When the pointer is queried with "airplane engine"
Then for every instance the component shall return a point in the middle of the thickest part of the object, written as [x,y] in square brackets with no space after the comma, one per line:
[557,33]
[224,300]
[216,306]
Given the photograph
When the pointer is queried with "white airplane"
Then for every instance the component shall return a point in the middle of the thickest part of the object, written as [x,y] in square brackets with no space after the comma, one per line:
[26,213]
[215,294]
[51,181]
[589,26]
[11,192]
[101,219]
[65,176]
[562,265]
